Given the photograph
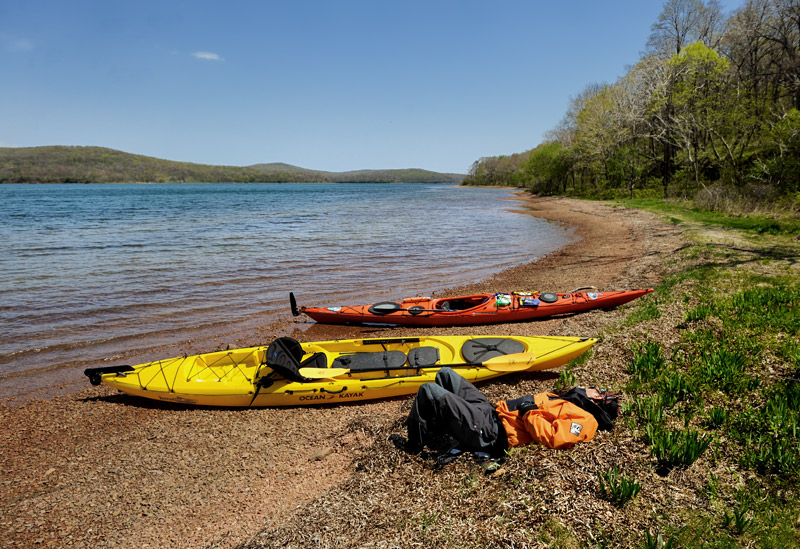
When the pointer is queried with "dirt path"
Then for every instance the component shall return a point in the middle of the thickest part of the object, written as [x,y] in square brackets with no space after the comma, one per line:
[101,469]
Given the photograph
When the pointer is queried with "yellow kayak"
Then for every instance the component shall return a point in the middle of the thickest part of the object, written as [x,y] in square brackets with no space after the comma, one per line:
[288,373]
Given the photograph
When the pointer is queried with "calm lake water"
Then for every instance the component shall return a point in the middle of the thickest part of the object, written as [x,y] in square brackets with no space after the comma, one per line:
[90,274]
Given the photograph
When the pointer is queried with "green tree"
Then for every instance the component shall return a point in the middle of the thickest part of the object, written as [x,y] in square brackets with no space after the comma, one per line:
[547,168]
[696,97]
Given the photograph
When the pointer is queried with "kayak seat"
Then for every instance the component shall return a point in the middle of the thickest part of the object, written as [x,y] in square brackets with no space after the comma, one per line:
[365,362]
[484,348]
[422,357]
[317,360]
[283,356]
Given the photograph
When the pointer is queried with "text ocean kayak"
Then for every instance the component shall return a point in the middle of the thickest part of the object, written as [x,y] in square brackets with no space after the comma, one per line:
[288,373]
[470,309]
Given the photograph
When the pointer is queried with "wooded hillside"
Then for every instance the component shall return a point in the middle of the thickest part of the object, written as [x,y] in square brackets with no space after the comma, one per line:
[711,111]
[101,165]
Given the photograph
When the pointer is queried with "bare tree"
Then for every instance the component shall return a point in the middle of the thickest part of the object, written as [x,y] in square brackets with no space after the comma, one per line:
[683,22]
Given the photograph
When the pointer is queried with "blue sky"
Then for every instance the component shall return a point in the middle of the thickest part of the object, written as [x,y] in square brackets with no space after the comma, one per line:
[329,85]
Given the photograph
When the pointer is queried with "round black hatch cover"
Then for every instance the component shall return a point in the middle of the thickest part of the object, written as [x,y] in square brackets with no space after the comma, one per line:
[548,297]
[384,308]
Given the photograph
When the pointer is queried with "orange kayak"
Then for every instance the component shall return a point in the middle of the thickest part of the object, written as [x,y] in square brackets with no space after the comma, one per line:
[469,310]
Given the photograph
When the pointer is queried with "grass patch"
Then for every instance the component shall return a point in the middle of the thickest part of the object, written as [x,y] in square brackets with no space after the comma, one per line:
[758,224]
[770,434]
[757,516]
[647,310]
[739,319]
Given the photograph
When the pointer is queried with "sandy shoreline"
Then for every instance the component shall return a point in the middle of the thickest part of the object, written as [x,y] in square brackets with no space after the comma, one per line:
[101,469]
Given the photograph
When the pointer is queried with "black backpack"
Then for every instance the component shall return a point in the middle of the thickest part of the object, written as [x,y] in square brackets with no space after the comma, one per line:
[604,409]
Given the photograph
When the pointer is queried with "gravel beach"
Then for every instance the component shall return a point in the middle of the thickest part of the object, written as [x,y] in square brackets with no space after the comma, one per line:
[101,469]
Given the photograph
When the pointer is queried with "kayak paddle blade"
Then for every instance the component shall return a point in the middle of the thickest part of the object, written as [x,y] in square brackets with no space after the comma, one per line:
[516,362]
[322,373]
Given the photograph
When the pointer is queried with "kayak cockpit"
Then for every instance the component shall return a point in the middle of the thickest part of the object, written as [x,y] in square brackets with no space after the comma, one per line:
[460,303]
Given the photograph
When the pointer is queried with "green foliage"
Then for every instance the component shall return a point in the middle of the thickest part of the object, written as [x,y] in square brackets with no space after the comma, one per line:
[700,312]
[770,433]
[647,310]
[676,448]
[647,361]
[759,518]
[566,379]
[717,417]
[546,168]
[617,488]
[778,164]
[768,308]
[722,370]
[498,170]
[648,410]
[737,521]
[673,387]
[658,541]
[100,165]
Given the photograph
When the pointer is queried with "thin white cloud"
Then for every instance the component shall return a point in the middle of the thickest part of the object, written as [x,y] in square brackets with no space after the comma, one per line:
[207,56]
[15,43]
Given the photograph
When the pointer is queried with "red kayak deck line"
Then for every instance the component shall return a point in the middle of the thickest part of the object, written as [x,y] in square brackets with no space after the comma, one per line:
[469,310]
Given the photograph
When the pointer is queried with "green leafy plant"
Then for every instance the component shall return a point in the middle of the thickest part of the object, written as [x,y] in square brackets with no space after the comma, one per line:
[566,378]
[647,361]
[658,541]
[675,448]
[701,312]
[712,486]
[616,488]
[673,388]
[737,521]
[649,410]
[723,370]
[717,417]
[768,307]
[770,434]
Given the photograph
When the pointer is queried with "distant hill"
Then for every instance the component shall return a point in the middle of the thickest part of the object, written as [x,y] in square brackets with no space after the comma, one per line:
[410,175]
[58,164]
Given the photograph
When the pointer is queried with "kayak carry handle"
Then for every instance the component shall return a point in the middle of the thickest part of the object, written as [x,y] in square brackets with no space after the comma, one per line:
[94,374]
